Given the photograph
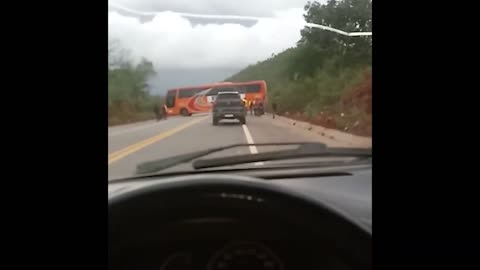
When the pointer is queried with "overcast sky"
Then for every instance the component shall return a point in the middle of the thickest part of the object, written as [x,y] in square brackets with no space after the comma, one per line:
[260,8]
[196,51]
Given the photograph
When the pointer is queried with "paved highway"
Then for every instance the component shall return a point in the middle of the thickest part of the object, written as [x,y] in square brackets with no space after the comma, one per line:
[129,145]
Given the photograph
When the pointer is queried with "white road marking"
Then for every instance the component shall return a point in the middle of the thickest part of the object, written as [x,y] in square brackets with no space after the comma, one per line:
[248,136]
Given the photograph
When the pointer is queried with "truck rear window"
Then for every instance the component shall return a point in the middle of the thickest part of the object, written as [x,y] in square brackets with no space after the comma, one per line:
[228,96]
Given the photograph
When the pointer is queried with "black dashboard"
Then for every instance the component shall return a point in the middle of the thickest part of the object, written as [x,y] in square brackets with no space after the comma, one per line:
[238,222]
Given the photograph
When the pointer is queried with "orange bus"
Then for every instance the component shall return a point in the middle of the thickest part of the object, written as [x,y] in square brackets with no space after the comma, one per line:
[177,99]
[199,99]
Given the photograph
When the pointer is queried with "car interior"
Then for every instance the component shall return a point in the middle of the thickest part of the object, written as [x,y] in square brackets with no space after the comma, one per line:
[308,218]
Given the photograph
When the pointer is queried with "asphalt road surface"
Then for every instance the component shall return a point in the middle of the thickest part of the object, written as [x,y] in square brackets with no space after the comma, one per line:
[129,145]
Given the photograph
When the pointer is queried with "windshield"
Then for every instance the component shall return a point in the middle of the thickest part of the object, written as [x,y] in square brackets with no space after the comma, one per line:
[301,72]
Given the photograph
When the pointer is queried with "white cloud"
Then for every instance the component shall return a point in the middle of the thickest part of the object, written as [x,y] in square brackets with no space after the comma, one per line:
[172,42]
[227,7]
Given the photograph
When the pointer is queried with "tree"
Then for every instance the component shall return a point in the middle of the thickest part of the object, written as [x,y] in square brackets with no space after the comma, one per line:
[127,83]
[346,15]
[313,76]
[117,56]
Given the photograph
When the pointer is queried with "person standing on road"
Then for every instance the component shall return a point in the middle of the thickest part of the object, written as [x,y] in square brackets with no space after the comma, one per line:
[260,107]
[274,109]
[252,103]
[156,110]
[164,109]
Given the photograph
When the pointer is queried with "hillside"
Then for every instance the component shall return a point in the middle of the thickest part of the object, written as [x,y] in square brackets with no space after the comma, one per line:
[326,78]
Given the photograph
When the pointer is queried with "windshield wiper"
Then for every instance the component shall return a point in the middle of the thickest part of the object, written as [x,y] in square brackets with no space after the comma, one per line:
[305,149]
[162,164]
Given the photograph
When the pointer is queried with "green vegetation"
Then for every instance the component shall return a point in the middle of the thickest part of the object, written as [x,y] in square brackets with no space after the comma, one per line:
[326,78]
[129,99]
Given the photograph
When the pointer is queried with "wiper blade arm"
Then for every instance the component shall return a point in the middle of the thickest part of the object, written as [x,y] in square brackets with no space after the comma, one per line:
[305,150]
[161,164]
